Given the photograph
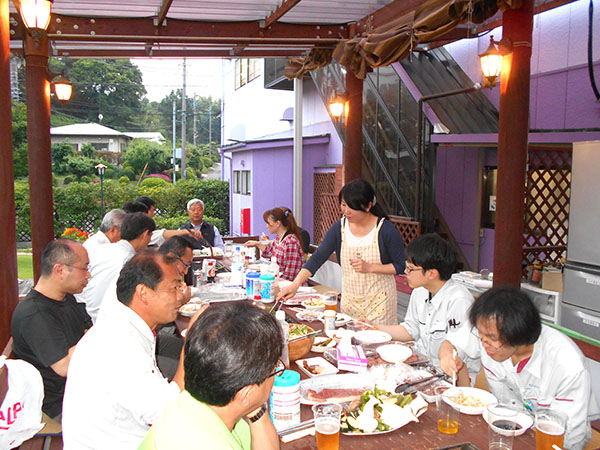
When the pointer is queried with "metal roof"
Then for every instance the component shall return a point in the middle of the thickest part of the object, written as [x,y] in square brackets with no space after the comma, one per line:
[84,129]
[435,72]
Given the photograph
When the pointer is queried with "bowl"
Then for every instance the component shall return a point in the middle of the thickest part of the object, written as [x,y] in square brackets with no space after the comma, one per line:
[474,400]
[394,353]
[300,347]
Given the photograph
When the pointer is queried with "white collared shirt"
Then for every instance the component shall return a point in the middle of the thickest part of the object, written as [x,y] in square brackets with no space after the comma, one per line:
[556,375]
[158,238]
[114,388]
[94,241]
[105,265]
[429,322]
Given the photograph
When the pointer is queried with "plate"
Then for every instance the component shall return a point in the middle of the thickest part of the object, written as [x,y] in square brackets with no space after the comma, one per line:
[339,334]
[370,337]
[523,419]
[341,319]
[394,353]
[308,303]
[308,315]
[322,348]
[358,383]
[190,309]
[470,394]
[328,369]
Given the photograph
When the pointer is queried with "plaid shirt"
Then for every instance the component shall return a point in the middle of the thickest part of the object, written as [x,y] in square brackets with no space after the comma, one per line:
[289,256]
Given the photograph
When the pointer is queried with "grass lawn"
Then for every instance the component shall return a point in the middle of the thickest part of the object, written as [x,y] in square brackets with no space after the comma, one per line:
[25,266]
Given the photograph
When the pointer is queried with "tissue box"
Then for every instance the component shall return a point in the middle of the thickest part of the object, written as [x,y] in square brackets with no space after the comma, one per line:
[351,358]
[552,280]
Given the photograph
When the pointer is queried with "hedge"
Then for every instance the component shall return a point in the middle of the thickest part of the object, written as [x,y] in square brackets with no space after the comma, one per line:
[78,204]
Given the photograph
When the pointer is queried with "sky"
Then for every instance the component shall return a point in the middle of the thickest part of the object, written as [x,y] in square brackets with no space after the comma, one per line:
[161,76]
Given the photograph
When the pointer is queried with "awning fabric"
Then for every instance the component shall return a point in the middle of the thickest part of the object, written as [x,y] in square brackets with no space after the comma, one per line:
[395,40]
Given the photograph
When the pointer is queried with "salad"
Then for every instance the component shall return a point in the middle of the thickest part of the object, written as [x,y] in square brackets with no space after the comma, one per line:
[379,411]
[299,329]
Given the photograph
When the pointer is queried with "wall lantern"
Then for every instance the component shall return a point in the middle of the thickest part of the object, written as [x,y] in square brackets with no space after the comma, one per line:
[337,105]
[62,88]
[36,14]
[491,61]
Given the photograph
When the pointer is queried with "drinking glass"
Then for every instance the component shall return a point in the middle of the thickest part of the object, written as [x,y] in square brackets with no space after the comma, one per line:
[550,426]
[502,425]
[327,425]
[447,422]
[330,301]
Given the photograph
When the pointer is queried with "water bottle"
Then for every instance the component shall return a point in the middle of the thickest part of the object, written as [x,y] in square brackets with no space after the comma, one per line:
[285,400]
[280,316]
[274,267]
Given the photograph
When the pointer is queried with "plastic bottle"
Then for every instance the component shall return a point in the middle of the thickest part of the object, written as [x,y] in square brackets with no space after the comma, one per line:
[252,284]
[285,400]
[274,267]
[329,320]
[280,316]
[267,287]
[211,272]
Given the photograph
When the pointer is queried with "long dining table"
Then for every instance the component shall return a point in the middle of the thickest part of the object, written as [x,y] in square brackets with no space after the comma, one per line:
[415,435]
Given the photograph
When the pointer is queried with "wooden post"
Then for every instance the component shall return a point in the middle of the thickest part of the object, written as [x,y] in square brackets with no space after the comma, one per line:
[9,294]
[352,157]
[39,148]
[512,146]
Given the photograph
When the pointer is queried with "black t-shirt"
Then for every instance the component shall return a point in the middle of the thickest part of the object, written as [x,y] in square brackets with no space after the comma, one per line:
[43,331]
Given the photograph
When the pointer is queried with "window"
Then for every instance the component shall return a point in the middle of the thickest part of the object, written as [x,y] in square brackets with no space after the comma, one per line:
[236,181]
[246,182]
[100,146]
[246,70]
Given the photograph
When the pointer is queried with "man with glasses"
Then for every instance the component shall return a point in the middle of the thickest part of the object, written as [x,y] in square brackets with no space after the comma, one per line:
[115,389]
[526,364]
[47,325]
[438,305]
[231,359]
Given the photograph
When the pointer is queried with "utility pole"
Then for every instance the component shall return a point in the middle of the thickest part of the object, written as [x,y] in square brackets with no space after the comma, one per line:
[209,132]
[174,140]
[194,115]
[183,125]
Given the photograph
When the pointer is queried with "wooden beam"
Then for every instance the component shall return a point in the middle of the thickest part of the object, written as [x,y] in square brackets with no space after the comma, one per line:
[187,40]
[160,53]
[279,12]
[164,9]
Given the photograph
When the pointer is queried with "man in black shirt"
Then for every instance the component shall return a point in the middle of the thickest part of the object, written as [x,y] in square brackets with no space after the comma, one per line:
[48,323]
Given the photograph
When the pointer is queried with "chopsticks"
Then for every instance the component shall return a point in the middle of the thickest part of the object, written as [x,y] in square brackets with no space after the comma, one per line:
[300,426]
[402,387]
[314,333]
[454,373]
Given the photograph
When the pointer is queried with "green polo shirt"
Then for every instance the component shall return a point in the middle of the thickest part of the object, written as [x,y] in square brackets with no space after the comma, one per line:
[188,424]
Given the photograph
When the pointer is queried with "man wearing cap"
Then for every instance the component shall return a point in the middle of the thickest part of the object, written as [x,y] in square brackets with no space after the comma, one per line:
[210,233]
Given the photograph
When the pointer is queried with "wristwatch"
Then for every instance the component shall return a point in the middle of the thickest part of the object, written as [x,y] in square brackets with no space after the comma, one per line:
[259,414]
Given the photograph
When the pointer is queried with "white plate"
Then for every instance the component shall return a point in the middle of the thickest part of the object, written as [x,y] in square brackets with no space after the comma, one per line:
[341,319]
[484,397]
[394,353]
[339,334]
[190,309]
[321,349]
[328,369]
[523,419]
[308,304]
[369,337]
[344,381]
[308,315]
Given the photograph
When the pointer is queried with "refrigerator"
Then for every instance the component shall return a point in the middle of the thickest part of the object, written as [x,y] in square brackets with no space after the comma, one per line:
[580,309]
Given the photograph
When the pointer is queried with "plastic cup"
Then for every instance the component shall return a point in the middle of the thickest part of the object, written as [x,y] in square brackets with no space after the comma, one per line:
[330,301]
[550,426]
[502,425]
[447,421]
[327,425]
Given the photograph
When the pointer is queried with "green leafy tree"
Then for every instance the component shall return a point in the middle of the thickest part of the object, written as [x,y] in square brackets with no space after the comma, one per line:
[19,135]
[141,151]
[113,88]
[61,152]
[88,151]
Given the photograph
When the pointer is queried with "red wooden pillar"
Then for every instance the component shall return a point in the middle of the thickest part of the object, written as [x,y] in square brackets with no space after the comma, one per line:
[38,144]
[9,295]
[352,157]
[512,146]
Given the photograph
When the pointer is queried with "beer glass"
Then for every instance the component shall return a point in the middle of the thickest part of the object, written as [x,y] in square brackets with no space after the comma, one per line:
[447,422]
[502,424]
[550,426]
[330,301]
[327,425]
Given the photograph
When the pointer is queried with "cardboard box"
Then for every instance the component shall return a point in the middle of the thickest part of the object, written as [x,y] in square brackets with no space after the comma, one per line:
[552,280]
[351,358]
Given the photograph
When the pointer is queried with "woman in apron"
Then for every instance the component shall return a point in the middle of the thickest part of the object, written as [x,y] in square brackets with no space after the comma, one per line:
[370,251]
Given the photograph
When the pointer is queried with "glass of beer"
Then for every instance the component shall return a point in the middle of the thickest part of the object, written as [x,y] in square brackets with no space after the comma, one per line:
[550,426]
[447,422]
[330,300]
[327,425]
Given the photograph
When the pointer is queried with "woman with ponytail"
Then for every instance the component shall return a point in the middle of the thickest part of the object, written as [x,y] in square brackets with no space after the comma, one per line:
[370,251]
[286,247]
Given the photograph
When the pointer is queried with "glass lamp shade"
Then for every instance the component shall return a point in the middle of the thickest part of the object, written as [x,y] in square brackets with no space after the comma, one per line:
[336,108]
[63,89]
[36,13]
[491,63]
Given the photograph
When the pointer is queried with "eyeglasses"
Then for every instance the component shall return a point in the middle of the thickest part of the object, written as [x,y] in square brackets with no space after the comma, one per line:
[408,270]
[485,340]
[186,265]
[279,369]
[85,269]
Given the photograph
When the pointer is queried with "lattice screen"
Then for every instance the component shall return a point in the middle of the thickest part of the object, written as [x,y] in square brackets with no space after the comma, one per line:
[547,205]
[326,205]
[408,228]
